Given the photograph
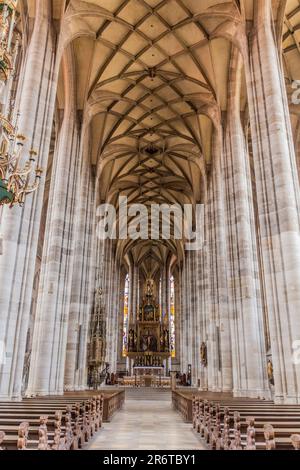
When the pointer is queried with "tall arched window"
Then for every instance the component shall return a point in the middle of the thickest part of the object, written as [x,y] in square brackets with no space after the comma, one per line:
[172,317]
[125,321]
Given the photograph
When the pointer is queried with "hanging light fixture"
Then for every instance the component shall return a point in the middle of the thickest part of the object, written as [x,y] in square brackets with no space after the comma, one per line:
[17,179]
[19,174]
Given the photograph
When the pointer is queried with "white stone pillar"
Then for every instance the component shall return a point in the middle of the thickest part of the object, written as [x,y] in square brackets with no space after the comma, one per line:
[202,287]
[278,199]
[51,322]
[176,361]
[246,316]
[20,226]
[184,314]
[81,302]
[135,286]
[219,345]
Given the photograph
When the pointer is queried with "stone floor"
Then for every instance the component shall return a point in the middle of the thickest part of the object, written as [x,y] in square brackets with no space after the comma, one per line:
[146,425]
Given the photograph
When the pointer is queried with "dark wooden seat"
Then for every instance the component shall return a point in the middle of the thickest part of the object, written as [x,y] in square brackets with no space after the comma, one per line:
[64,422]
[233,423]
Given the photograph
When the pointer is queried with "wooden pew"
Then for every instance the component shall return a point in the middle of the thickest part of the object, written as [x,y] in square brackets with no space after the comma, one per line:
[235,424]
[57,423]
[2,437]
[184,405]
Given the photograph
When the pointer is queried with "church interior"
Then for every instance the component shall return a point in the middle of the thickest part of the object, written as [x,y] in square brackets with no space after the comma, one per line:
[111,110]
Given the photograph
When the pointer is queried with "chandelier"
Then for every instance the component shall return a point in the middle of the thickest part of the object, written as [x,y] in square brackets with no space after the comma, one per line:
[17,179]
[19,174]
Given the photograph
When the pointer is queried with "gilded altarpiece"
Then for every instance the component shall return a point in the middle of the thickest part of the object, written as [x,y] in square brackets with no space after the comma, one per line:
[149,338]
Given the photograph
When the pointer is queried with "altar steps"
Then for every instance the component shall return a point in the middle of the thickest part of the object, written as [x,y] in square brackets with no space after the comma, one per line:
[144,393]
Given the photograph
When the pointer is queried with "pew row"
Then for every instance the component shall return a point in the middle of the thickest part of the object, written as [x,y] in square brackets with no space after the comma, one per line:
[241,424]
[56,423]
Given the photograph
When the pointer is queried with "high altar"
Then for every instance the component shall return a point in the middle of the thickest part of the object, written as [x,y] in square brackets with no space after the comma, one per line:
[148,340]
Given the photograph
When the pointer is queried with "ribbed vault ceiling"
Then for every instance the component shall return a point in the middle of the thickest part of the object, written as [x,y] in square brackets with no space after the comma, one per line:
[148,69]
[146,72]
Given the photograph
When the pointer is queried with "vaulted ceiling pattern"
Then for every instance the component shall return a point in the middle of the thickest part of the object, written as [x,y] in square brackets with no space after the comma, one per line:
[152,80]
[148,73]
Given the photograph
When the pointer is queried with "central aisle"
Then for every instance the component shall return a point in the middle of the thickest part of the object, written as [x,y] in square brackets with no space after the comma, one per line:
[146,423]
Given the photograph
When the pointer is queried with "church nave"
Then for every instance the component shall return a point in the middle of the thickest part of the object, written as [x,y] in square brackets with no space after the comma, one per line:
[146,424]
[149,225]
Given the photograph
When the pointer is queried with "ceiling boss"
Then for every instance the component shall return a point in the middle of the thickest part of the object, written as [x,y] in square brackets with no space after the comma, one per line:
[19,175]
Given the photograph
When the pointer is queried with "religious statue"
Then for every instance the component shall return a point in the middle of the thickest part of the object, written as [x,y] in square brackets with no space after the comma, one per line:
[270,371]
[203,354]
[149,288]
[131,340]
[149,313]
[141,314]
[26,370]
[148,341]
[166,340]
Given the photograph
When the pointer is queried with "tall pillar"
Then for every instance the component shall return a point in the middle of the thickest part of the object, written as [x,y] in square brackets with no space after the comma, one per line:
[219,344]
[164,293]
[80,303]
[184,314]
[121,318]
[194,337]
[51,323]
[246,316]
[278,199]
[178,312]
[135,286]
[202,289]
[20,226]
[114,314]
[108,275]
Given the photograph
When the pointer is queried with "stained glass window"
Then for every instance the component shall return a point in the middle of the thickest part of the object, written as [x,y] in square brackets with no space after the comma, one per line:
[160,299]
[172,317]
[125,322]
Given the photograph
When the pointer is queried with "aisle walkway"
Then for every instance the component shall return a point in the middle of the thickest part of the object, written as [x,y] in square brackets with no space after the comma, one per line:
[145,424]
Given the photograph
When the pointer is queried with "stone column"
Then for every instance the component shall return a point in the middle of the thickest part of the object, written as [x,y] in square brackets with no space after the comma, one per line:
[108,292]
[135,286]
[164,293]
[183,323]
[219,345]
[189,308]
[278,199]
[114,313]
[80,303]
[176,361]
[130,294]
[246,316]
[193,314]
[202,288]
[20,226]
[52,316]
[121,360]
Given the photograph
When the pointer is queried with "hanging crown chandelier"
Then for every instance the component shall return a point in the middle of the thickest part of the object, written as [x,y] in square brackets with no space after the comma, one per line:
[19,175]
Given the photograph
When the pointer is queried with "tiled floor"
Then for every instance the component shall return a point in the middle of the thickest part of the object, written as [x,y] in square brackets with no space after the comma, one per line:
[147,425]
